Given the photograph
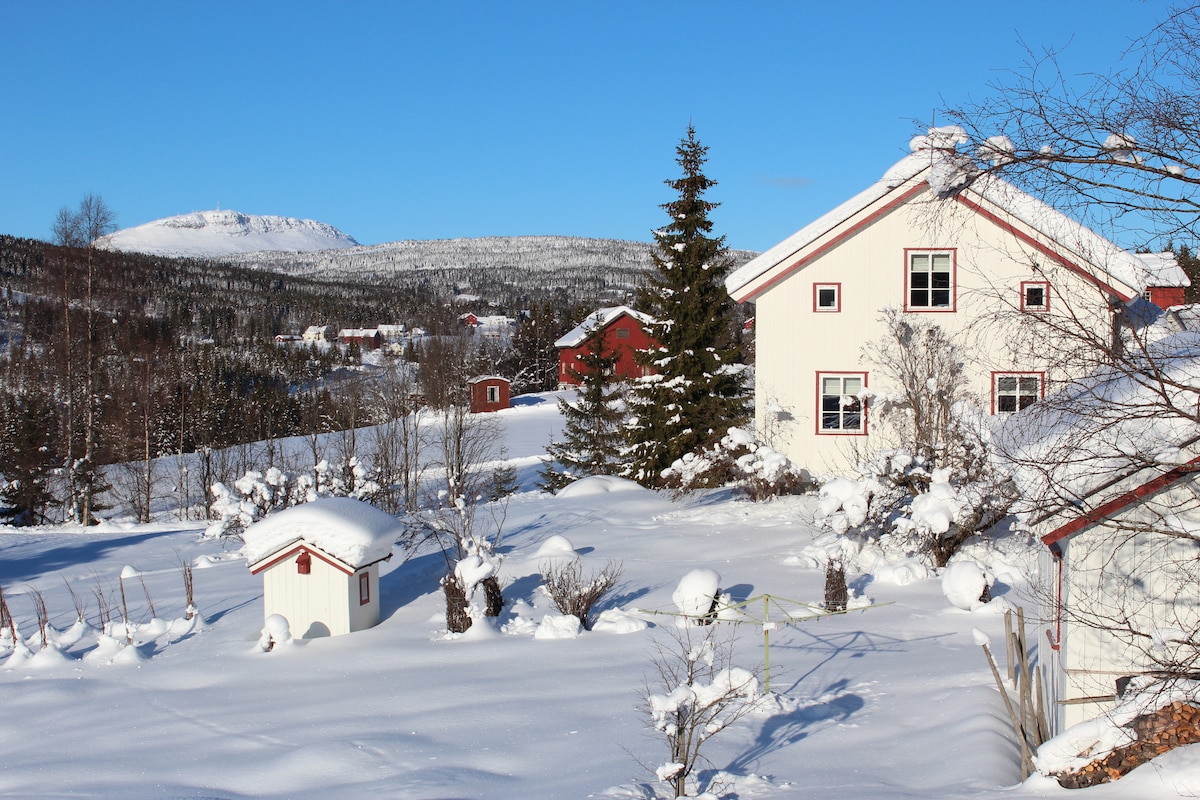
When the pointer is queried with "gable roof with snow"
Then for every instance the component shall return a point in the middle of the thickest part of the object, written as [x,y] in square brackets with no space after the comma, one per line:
[351,531]
[599,319]
[935,164]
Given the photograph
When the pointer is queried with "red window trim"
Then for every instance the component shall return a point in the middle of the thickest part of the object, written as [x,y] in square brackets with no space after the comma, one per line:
[1045,306]
[908,308]
[1041,376]
[840,432]
[364,588]
[837,306]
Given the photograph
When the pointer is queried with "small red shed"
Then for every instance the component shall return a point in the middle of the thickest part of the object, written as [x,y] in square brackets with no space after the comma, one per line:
[489,393]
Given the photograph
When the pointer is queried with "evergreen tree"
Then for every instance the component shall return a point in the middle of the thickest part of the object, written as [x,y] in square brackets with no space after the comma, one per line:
[27,439]
[593,441]
[695,392]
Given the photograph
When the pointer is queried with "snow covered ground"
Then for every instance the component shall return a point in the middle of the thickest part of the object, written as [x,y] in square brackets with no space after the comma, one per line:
[894,701]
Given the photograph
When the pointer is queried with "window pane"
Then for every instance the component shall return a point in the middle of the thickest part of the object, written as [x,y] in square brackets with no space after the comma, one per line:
[941,262]
[1029,385]
[941,280]
[941,297]
[920,261]
[1035,296]
[852,421]
[827,298]
[1006,384]
[831,386]
[830,421]
[853,386]
[1006,403]
[920,280]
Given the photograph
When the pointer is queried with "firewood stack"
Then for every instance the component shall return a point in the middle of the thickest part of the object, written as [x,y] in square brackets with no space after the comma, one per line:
[1171,726]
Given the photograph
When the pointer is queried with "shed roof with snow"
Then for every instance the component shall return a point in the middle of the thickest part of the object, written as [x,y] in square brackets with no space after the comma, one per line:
[351,531]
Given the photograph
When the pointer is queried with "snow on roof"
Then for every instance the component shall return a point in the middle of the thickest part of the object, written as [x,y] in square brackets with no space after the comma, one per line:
[354,532]
[480,378]
[600,318]
[934,160]
[1162,269]
[1111,425]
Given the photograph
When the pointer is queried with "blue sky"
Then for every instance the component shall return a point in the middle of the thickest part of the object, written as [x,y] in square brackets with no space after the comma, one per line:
[406,120]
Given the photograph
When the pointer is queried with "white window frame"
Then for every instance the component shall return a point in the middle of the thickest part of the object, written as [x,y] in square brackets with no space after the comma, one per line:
[849,405]
[929,258]
[833,308]
[493,394]
[1044,305]
[1021,388]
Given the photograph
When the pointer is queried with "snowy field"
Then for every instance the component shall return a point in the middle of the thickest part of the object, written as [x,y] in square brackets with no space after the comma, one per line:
[894,701]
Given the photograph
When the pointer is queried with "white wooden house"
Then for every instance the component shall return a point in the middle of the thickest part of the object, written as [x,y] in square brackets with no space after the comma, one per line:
[930,242]
[320,564]
[1110,480]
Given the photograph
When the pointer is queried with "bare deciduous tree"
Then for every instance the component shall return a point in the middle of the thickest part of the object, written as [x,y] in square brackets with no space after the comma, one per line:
[694,693]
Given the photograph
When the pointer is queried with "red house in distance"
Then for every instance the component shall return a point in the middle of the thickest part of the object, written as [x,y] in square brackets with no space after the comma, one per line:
[624,334]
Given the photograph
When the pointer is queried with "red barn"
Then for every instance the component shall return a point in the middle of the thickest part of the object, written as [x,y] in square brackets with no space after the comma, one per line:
[489,393]
[624,334]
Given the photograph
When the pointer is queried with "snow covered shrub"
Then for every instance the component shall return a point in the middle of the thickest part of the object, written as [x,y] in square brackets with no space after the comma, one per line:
[907,508]
[697,595]
[572,592]
[694,693]
[740,460]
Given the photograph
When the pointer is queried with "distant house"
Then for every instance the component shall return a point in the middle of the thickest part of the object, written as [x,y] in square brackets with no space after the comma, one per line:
[489,393]
[366,338]
[315,333]
[288,338]
[320,564]
[392,333]
[624,333]
[468,320]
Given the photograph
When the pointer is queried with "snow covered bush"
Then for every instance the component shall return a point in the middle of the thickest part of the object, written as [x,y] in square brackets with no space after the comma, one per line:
[740,460]
[575,594]
[908,508]
[694,693]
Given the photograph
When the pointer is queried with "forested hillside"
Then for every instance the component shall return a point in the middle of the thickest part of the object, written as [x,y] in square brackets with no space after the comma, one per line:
[111,357]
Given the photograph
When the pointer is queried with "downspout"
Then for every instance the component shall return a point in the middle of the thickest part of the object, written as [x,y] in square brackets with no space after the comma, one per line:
[1056,637]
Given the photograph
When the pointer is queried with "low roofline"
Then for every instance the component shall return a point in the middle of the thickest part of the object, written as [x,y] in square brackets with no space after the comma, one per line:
[1120,502]
[299,545]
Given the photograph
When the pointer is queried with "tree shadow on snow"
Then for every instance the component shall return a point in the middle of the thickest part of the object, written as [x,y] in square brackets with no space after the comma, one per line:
[79,551]
[784,730]
[415,578]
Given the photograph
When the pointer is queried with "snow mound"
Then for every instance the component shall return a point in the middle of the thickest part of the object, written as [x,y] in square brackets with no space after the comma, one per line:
[223,232]
[558,626]
[964,582]
[350,530]
[556,545]
[613,620]
[599,484]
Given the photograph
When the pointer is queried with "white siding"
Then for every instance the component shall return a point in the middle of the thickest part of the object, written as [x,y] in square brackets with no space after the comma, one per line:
[315,604]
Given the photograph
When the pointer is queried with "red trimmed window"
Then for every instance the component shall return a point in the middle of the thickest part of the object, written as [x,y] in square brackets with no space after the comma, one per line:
[841,408]
[827,297]
[1013,391]
[364,588]
[929,280]
[1035,295]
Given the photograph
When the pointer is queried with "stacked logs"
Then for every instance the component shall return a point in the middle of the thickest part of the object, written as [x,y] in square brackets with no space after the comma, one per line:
[1169,727]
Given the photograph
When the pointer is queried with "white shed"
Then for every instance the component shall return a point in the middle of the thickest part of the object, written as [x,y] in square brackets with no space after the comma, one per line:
[320,564]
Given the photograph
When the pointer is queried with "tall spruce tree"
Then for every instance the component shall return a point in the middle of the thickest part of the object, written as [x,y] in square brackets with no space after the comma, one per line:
[593,441]
[695,392]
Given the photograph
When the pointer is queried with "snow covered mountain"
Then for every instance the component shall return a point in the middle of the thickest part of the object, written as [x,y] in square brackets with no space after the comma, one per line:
[224,233]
